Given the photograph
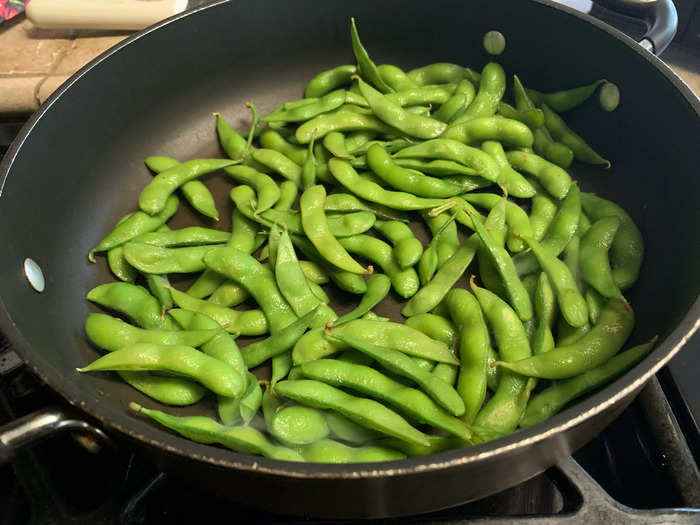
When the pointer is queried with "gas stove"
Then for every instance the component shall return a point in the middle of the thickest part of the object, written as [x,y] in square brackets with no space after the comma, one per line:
[641,465]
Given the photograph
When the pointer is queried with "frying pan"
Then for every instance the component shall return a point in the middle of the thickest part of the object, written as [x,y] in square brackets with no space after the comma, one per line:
[76,167]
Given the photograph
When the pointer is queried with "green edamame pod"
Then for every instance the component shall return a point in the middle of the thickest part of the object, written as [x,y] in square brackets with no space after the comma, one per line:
[206,430]
[294,286]
[474,345]
[345,202]
[378,286]
[313,272]
[554,179]
[334,142]
[593,260]
[137,304]
[158,260]
[298,425]
[492,86]
[442,73]
[593,349]
[451,108]
[343,121]
[595,303]
[434,326]
[216,375]
[373,383]
[394,115]
[316,229]
[562,228]
[551,400]
[346,430]
[365,66]
[627,250]
[250,402]
[405,282]
[258,280]
[404,179]
[329,451]
[183,237]
[511,180]
[329,80]
[566,100]
[516,218]
[288,194]
[542,212]
[243,237]
[395,77]
[273,140]
[266,188]
[572,305]
[133,301]
[327,102]
[279,163]
[430,295]
[194,191]
[366,412]
[445,239]
[476,130]
[561,132]
[278,343]
[308,169]
[159,286]
[243,322]
[112,334]
[224,348]
[228,294]
[119,266]
[153,198]
[134,225]
[518,296]
[316,344]
[398,363]
[495,224]
[543,143]
[350,282]
[281,366]
[456,151]
[505,409]
[345,174]
[532,118]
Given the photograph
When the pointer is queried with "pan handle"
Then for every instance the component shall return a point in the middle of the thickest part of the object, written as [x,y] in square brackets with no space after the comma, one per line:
[660,17]
[40,425]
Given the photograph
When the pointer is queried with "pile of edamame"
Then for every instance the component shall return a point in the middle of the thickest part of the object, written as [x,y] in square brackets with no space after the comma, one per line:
[373,151]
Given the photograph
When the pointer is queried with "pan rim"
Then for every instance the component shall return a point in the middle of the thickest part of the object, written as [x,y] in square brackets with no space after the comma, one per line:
[161,439]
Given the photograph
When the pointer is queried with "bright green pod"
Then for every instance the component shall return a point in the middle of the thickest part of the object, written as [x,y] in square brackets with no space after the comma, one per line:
[112,334]
[154,197]
[206,430]
[366,412]
[316,344]
[185,361]
[593,349]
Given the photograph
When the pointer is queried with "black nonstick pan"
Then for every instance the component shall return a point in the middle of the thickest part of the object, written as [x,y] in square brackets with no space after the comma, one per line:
[77,166]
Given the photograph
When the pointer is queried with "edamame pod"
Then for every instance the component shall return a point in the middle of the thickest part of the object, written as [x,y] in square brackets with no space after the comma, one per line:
[316,345]
[593,349]
[206,430]
[154,196]
[216,375]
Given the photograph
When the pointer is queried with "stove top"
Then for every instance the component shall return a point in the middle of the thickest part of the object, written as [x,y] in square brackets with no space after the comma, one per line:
[646,459]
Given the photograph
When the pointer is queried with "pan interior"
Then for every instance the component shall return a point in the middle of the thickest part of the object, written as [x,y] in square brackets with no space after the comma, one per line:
[81,167]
